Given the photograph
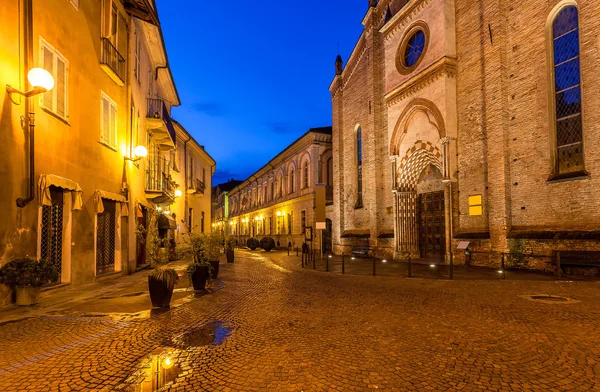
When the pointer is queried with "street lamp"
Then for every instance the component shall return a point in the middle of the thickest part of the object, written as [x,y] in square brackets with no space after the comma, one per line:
[178,193]
[139,152]
[41,80]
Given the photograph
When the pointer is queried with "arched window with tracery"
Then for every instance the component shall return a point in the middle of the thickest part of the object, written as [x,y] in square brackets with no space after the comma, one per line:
[359,162]
[567,103]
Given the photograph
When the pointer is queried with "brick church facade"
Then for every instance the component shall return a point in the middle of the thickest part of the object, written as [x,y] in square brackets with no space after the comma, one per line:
[469,121]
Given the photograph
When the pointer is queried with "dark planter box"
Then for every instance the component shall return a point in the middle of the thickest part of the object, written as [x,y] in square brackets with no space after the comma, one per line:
[215,268]
[199,278]
[230,255]
[160,294]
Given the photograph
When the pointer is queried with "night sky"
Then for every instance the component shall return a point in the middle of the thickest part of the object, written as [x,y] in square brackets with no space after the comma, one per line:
[254,76]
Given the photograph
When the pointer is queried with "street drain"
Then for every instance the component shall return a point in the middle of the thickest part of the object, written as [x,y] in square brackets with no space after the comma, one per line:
[215,332]
[549,299]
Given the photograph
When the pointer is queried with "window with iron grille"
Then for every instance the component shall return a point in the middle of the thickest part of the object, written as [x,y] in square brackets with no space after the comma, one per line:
[567,91]
[105,238]
[52,229]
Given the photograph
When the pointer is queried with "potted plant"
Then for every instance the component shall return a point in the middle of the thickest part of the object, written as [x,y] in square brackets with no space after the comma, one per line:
[252,243]
[162,280]
[199,269]
[211,248]
[267,243]
[27,276]
[229,246]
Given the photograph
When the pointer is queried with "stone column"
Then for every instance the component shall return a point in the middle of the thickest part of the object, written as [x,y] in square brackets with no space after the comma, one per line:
[448,195]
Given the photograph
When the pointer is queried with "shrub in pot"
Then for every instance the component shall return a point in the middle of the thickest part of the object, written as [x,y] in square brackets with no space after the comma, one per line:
[27,276]
[198,271]
[252,243]
[199,274]
[162,280]
[267,243]
[211,248]
[229,246]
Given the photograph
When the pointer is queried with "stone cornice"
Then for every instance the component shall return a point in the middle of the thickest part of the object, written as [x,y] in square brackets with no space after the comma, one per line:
[446,66]
[402,18]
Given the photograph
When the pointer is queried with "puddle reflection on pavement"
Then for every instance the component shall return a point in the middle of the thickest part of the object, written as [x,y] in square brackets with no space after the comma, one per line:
[155,373]
[214,332]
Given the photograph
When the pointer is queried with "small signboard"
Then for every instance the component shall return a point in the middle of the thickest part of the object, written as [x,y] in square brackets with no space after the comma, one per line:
[462,245]
[308,233]
[321,226]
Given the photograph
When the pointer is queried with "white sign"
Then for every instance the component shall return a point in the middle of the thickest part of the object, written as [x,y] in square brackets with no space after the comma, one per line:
[462,245]
[321,226]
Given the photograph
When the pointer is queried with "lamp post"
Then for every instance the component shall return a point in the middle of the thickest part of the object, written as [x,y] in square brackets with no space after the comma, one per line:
[41,81]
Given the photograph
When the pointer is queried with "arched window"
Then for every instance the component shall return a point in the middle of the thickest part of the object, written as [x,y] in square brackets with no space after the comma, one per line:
[359,161]
[292,182]
[305,175]
[567,91]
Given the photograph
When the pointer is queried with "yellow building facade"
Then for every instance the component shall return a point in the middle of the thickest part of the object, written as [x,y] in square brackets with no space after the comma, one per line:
[87,191]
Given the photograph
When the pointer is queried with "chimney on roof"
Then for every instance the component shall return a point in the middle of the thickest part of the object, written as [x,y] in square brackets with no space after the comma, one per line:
[373,3]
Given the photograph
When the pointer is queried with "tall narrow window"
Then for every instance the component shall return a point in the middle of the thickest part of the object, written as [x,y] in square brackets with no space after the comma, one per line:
[108,122]
[305,175]
[359,160]
[202,222]
[292,186]
[567,91]
[55,100]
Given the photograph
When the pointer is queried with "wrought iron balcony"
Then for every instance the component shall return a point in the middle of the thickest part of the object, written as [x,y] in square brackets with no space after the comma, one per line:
[160,188]
[196,187]
[159,121]
[112,62]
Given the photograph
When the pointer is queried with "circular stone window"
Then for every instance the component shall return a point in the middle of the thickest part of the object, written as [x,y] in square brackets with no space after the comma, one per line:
[412,49]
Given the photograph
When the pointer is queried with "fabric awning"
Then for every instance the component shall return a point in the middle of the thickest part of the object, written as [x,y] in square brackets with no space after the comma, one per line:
[166,222]
[48,180]
[99,205]
[139,204]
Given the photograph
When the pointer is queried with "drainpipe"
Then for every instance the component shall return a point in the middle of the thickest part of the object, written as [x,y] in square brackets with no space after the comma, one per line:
[185,171]
[27,61]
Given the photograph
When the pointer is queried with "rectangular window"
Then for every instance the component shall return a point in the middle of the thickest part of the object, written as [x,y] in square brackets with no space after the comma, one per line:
[55,100]
[190,219]
[475,205]
[137,65]
[303,219]
[202,223]
[191,173]
[108,122]
[204,176]
[290,225]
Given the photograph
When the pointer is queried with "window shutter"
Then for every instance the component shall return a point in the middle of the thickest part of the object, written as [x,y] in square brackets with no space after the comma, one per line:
[113,125]
[61,87]
[48,65]
[105,121]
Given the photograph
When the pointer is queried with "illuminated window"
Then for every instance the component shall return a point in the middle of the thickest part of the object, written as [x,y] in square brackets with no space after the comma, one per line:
[108,122]
[567,91]
[475,205]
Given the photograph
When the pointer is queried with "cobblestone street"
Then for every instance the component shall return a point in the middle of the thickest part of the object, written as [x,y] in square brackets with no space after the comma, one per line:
[273,326]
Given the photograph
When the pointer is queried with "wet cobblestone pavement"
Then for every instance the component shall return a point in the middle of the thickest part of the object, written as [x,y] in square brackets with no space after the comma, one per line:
[275,327]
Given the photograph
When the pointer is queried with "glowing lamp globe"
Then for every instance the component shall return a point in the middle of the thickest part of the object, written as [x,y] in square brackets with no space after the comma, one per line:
[178,193]
[40,78]
[140,151]
[167,363]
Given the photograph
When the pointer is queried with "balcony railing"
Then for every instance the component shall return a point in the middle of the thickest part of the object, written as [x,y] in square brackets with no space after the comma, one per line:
[158,177]
[112,59]
[196,186]
[157,109]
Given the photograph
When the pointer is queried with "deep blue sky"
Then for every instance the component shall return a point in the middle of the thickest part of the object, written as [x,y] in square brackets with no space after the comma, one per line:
[254,75]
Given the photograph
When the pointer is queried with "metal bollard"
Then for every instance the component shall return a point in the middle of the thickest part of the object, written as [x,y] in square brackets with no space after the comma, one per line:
[409,267]
[314,257]
[503,268]
[374,267]
[327,264]
[451,265]
[343,264]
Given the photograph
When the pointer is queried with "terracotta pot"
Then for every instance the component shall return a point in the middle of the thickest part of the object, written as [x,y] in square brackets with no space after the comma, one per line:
[199,278]
[28,295]
[160,293]
[214,273]
[230,255]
